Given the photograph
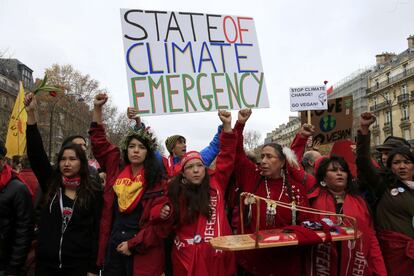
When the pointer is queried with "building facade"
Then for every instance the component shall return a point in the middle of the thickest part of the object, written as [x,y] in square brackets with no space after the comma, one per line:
[285,133]
[391,95]
[12,71]
[354,85]
[58,117]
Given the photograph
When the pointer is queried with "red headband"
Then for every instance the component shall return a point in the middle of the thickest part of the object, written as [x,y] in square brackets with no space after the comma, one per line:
[190,156]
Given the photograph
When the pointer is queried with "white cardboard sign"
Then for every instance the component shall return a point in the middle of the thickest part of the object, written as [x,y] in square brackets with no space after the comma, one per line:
[308,98]
[180,62]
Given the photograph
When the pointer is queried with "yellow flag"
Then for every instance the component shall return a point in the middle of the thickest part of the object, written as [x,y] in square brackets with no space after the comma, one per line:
[16,133]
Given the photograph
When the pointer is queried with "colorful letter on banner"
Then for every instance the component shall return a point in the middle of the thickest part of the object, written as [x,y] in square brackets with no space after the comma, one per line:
[16,132]
[180,62]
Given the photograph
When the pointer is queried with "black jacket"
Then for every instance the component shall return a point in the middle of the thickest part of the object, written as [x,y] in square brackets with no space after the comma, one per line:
[78,246]
[16,226]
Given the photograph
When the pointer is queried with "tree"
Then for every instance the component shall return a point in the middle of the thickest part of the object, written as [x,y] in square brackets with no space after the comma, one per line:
[74,82]
[71,112]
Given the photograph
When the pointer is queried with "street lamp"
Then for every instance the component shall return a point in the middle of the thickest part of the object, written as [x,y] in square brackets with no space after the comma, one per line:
[52,112]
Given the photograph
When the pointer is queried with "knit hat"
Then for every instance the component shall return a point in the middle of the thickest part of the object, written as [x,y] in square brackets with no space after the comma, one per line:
[171,141]
[392,142]
[190,156]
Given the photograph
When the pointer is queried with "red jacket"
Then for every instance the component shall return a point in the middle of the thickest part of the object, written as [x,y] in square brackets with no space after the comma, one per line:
[363,257]
[398,252]
[148,242]
[276,261]
[200,258]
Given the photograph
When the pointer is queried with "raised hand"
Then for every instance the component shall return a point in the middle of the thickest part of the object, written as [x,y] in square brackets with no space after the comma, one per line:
[316,144]
[244,115]
[30,103]
[307,130]
[131,113]
[225,117]
[100,100]
[365,120]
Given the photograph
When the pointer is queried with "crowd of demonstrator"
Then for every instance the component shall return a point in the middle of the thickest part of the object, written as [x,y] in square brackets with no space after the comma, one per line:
[141,213]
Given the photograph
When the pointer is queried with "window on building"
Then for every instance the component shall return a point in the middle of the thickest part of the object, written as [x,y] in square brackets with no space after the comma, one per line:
[387,117]
[407,135]
[388,77]
[404,89]
[405,112]
[376,83]
[376,122]
[405,69]
[377,140]
[375,101]
[387,96]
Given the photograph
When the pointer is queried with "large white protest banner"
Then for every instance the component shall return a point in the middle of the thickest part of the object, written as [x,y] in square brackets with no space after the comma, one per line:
[308,98]
[182,62]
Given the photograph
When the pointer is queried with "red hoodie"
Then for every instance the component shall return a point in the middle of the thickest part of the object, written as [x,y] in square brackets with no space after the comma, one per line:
[192,253]
[362,257]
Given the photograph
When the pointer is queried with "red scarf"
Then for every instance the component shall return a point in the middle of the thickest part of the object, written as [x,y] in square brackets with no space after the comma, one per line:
[73,182]
[5,176]
[129,189]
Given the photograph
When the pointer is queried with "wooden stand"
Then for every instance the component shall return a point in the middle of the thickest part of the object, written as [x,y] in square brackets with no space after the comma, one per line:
[278,237]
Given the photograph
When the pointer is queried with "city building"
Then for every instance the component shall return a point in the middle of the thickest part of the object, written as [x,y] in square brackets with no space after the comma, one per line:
[58,117]
[355,84]
[285,133]
[12,71]
[391,95]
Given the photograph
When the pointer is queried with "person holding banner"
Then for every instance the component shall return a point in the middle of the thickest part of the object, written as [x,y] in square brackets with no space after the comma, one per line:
[132,232]
[197,198]
[393,188]
[67,241]
[176,146]
[275,179]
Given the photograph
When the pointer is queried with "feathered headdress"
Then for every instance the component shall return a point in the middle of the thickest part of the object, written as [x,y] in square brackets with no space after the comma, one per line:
[290,157]
[143,135]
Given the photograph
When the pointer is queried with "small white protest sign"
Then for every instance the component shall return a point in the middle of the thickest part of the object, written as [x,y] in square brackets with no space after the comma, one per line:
[308,98]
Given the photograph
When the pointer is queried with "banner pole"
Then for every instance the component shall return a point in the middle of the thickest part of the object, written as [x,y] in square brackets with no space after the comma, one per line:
[309,116]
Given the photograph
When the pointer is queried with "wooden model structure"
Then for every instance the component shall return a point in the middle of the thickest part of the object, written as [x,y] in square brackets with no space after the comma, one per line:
[281,237]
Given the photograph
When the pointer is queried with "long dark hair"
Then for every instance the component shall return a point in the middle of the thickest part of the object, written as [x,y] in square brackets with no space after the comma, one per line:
[152,169]
[86,190]
[193,199]
[336,161]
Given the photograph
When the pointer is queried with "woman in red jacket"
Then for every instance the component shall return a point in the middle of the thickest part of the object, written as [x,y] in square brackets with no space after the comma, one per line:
[273,180]
[199,215]
[393,189]
[131,234]
[336,192]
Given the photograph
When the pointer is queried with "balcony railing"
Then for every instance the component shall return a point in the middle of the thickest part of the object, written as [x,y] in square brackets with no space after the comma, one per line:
[392,80]
[10,89]
[378,106]
[403,98]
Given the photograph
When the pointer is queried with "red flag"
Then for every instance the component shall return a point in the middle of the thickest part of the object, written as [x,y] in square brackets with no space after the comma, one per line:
[330,90]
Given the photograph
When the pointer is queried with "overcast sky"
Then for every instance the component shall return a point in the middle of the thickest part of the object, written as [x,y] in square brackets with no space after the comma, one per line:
[301,42]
